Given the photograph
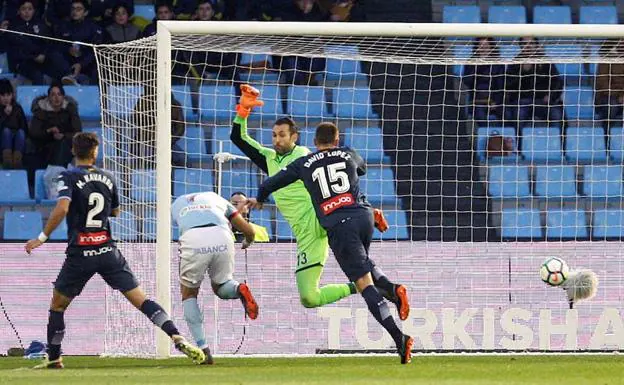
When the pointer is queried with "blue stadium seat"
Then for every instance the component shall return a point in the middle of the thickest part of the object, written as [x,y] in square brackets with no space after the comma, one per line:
[378,186]
[237,178]
[306,137]
[143,186]
[124,227]
[461,49]
[461,14]
[608,224]
[60,233]
[247,58]
[597,14]
[578,103]
[616,144]
[541,144]
[483,133]
[307,102]
[570,71]
[183,94]
[555,181]
[344,68]
[558,14]
[508,50]
[566,224]
[14,188]
[368,142]
[508,14]
[585,145]
[22,225]
[602,182]
[145,11]
[26,94]
[41,195]
[187,181]
[121,100]
[195,145]
[221,140]
[353,103]
[398,230]
[282,229]
[148,220]
[263,218]
[520,223]
[88,98]
[272,98]
[508,181]
[217,101]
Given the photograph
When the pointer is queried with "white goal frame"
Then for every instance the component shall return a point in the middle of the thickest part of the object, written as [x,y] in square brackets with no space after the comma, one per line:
[165,30]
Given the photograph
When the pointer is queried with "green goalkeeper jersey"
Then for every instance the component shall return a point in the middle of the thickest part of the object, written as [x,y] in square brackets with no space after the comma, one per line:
[293,201]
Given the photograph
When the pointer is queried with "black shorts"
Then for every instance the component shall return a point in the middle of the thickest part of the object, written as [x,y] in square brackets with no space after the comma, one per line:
[79,268]
[350,240]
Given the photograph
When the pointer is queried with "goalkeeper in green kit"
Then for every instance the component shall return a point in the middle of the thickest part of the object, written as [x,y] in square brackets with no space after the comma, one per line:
[293,201]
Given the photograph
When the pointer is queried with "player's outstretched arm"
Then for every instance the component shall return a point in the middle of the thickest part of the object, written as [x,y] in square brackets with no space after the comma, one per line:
[246,228]
[55,219]
[239,136]
[290,174]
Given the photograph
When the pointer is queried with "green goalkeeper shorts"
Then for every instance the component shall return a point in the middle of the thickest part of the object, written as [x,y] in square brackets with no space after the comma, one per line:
[312,245]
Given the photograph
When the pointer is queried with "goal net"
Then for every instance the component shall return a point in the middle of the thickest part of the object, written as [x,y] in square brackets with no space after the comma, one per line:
[486,155]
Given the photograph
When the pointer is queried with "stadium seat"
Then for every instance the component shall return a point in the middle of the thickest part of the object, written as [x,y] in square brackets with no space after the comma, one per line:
[616,144]
[237,178]
[558,14]
[555,181]
[598,15]
[248,59]
[263,218]
[585,145]
[143,186]
[608,224]
[507,14]
[397,230]
[306,137]
[147,219]
[508,50]
[26,94]
[60,233]
[145,11]
[461,14]
[14,188]
[483,133]
[183,94]
[461,49]
[273,106]
[343,68]
[520,223]
[22,225]
[353,103]
[307,102]
[194,145]
[4,65]
[88,98]
[378,186]
[282,229]
[124,227]
[541,144]
[41,195]
[566,224]
[221,141]
[121,100]
[187,181]
[601,182]
[508,181]
[368,142]
[578,103]
[217,101]
[570,71]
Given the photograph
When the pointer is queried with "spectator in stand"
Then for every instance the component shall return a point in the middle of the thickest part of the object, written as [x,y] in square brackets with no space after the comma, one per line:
[13,126]
[164,11]
[103,11]
[12,7]
[342,10]
[485,83]
[76,63]
[121,30]
[55,121]
[57,13]
[533,90]
[610,88]
[27,55]
[297,69]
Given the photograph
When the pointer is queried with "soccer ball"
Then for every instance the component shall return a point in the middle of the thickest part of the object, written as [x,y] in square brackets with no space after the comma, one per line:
[554,271]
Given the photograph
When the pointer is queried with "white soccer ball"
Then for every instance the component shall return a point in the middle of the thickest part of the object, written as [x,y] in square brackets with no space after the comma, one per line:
[554,271]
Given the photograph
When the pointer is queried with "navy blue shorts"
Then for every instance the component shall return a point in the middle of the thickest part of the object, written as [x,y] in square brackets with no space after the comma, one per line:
[350,240]
[80,267]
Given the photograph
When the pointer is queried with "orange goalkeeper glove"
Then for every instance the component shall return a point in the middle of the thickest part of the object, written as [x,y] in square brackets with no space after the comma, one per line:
[380,221]
[248,100]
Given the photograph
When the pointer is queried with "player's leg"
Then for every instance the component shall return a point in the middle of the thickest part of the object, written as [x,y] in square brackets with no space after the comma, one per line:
[395,293]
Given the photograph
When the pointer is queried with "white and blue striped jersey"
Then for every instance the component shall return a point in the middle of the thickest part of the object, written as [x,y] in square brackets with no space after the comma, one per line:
[201,209]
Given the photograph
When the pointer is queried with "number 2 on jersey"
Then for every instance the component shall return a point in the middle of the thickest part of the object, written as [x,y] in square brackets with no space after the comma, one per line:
[97,199]
[339,179]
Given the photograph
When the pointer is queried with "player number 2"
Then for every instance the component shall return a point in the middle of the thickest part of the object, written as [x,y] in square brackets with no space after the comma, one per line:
[96,199]
[339,179]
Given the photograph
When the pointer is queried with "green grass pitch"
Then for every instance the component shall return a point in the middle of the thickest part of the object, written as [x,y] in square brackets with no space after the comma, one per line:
[455,370]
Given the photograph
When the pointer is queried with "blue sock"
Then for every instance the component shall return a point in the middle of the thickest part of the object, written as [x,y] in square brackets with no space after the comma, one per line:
[195,320]
[379,309]
[159,317]
[56,332]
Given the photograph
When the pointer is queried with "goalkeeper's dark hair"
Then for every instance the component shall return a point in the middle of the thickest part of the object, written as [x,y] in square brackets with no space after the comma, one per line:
[326,133]
[238,193]
[84,143]
[292,126]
